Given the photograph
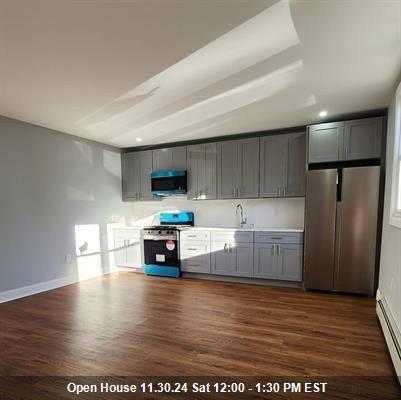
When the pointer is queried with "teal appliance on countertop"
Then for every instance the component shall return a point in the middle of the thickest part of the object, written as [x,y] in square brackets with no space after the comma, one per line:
[161,243]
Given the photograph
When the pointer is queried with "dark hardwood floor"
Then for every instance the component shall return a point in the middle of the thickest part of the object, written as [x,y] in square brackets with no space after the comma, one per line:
[128,324]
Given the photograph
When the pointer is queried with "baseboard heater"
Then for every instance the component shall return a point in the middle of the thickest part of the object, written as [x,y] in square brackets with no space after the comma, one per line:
[391,334]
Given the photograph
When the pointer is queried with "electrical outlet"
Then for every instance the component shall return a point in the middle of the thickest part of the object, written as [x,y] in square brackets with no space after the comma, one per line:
[68,258]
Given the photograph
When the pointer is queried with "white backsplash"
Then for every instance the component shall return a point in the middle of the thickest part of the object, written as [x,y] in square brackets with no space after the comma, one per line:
[275,213]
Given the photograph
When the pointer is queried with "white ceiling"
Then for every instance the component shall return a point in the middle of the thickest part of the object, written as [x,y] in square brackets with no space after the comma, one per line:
[172,70]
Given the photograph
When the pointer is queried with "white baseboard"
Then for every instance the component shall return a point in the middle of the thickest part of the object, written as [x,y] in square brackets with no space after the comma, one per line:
[43,287]
[390,331]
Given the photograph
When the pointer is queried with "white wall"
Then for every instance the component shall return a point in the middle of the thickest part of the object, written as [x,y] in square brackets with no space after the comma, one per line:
[276,213]
[390,263]
[51,185]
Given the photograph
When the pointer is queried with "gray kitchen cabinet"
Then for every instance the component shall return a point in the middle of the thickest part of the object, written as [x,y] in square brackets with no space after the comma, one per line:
[265,265]
[201,169]
[273,165]
[136,170]
[130,176]
[326,142]
[278,255]
[172,158]
[248,168]
[282,165]
[238,168]
[232,259]
[289,262]
[227,165]
[362,138]
[296,173]
[349,140]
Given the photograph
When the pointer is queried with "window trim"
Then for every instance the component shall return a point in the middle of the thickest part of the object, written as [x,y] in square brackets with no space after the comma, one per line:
[395,214]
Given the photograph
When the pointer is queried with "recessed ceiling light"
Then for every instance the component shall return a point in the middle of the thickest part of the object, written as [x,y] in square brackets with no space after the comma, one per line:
[322,113]
[138,139]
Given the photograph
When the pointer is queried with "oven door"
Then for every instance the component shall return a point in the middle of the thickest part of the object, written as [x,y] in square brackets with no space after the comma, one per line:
[161,252]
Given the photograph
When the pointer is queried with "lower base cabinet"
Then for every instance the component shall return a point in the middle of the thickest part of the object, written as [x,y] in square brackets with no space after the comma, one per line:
[195,256]
[278,261]
[232,259]
[127,248]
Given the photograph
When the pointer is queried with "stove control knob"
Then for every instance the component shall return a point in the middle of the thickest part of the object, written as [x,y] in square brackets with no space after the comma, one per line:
[160,232]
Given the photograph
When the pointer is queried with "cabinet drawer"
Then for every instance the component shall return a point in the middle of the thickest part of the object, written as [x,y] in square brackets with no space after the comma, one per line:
[279,237]
[200,266]
[126,233]
[195,235]
[194,249]
[232,236]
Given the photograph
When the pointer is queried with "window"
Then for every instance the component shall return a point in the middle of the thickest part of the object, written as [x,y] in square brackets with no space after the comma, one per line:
[395,211]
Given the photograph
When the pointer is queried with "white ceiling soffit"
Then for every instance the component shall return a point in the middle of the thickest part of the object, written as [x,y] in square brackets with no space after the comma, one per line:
[165,70]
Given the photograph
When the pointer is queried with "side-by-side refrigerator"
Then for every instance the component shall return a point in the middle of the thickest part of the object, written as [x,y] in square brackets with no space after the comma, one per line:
[340,229]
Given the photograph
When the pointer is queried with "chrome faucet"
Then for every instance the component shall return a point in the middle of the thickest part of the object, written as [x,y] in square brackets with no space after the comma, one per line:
[243,220]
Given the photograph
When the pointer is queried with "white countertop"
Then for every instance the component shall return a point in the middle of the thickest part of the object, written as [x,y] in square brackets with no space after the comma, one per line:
[254,229]
[226,228]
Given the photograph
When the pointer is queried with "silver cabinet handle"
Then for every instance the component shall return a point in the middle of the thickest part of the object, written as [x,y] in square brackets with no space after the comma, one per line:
[200,194]
[229,248]
[279,249]
[196,194]
[192,249]
[276,238]
[191,235]
[272,250]
[225,247]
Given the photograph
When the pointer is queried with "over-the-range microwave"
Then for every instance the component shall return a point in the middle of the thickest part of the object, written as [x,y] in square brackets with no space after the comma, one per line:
[168,183]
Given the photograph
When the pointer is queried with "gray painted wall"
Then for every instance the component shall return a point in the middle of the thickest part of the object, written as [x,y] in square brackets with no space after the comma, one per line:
[390,263]
[51,182]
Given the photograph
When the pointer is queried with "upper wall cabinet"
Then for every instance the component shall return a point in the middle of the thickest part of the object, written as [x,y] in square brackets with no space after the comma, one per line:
[202,167]
[136,170]
[326,142]
[238,168]
[362,138]
[349,140]
[282,165]
[172,158]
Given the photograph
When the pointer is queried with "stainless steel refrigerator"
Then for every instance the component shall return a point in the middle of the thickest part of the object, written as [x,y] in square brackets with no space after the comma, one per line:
[341,213]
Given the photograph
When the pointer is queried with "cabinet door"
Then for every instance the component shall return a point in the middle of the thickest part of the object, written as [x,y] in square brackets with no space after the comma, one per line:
[179,158]
[265,264]
[130,176]
[363,138]
[223,262]
[289,262]
[227,162]
[296,170]
[194,153]
[273,165]
[248,162]
[326,142]
[171,158]
[145,161]
[162,160]
[195,256]
[209,185]
[134,253]
[120,252]
[243,258]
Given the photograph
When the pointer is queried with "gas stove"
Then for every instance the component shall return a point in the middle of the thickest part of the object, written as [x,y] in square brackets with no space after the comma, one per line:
[161,243]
